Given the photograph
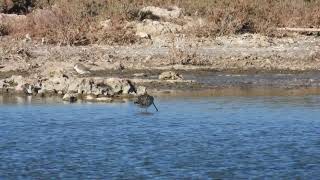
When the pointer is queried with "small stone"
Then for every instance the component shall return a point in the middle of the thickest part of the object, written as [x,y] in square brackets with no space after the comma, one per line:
[140,75]
[27,38]
[81,69]
[170,75]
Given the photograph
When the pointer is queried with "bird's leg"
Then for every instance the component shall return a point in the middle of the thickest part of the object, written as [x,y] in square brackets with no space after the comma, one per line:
[155,106]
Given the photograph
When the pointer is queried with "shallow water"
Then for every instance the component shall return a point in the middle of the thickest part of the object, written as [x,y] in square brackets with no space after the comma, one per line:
[199,138]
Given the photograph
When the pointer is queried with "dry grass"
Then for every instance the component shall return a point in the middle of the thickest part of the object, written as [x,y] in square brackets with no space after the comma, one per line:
[76,22]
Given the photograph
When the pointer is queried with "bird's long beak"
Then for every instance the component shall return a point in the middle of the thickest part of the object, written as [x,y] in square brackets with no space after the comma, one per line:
[155,106]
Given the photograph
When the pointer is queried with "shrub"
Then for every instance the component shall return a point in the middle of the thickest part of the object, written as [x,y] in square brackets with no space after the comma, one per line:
[76,22]
[4,30]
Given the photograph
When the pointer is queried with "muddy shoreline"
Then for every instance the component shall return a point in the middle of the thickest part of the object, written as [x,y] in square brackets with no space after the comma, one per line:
[205,83]
[235,64]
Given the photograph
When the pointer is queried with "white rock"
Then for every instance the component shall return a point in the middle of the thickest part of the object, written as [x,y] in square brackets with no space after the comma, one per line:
[81,69]
[170,13]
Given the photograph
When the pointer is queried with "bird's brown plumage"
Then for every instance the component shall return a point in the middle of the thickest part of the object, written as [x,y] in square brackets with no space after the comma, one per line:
[145,100]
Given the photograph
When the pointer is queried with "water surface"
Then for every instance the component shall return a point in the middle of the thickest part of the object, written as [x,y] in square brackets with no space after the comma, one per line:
[199,138]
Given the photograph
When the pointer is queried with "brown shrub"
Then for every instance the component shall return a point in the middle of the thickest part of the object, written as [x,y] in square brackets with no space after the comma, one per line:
[76,22]
[59,26]
[4,30]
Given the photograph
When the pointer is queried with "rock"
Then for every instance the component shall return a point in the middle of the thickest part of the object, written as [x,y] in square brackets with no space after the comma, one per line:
[96,91]
[170,75]
[16,81]
[143,35]
[73,85]
[81,69]
[120,86]
[27,38]
[115,84]
[156,28]
[90,97]
[118,66]
[141,90]
[57,83]
[42,91]
[2,84]
[127,88]
[140,75]
[169,13]
[104,99]
[70,97]
[107,24]
[28,89]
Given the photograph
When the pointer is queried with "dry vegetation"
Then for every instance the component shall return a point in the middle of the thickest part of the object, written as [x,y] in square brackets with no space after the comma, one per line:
[76,21]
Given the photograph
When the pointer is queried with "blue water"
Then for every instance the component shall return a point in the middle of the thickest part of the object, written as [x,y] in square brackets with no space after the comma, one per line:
[189,138]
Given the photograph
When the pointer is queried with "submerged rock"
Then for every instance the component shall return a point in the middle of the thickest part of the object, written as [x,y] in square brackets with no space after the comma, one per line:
[70,97]
[170,75]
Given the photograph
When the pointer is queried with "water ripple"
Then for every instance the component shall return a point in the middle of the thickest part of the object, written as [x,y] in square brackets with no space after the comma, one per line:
[204,138]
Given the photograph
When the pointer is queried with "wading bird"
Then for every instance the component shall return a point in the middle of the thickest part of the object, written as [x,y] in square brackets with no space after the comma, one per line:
[145,100]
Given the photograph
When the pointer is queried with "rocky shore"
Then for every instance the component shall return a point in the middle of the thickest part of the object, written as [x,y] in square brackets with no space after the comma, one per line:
[164,59]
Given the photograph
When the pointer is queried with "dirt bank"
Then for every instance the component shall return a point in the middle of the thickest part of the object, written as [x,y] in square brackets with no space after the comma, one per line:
[236,53]
[247,60]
